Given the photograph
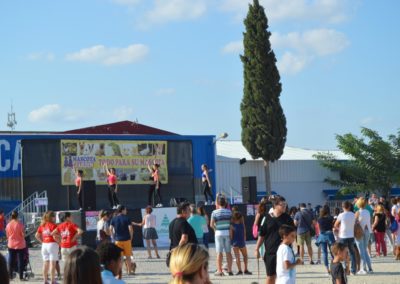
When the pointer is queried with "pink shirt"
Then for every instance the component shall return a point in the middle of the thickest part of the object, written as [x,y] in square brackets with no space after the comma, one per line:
[112,179]
[15,235]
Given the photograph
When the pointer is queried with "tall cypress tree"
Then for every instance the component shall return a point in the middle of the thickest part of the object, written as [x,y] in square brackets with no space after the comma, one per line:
[263,122]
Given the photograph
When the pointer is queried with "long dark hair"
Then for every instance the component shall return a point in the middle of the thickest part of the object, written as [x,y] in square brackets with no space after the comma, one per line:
[82,266]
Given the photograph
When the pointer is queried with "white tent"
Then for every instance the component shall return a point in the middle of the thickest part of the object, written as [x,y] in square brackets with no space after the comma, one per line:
[297,176]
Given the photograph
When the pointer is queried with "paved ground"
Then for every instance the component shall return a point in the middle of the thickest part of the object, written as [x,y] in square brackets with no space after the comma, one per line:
[386,270]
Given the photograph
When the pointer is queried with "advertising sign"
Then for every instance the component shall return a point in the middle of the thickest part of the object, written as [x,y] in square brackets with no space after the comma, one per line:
[91,218]
[164,216]
[129,158]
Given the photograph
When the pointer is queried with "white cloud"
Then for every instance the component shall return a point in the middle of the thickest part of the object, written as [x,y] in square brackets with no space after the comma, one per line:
[110,56]
[54,113]
[45,113]
[291,64]
[233,47]
[320,42]
[123,113]
[327,11]
[45,56]
[173,11]
[127,2]
[165,92]
[300,49]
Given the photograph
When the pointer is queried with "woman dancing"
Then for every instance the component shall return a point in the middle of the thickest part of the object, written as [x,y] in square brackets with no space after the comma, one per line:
[205,179]
[155,186]
[112,187]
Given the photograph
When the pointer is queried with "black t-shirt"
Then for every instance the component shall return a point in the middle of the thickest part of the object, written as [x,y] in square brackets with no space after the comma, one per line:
[270,231]
[381,226]
[179,227]
[337,272]
[325,223]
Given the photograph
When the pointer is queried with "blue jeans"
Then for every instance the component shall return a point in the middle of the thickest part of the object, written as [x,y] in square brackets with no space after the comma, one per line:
[324,247]
[349,242]
[325,240]
[362,245]
[205,239]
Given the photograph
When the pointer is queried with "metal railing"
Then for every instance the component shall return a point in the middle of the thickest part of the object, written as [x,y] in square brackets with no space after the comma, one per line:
[31,210]
[237,193]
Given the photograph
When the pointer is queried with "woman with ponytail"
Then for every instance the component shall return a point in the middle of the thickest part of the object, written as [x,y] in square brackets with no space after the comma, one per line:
[189,265]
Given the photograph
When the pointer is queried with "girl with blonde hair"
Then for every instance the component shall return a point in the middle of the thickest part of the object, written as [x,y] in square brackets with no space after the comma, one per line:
[189,265]
[379,228]
[364,218]
[47,235]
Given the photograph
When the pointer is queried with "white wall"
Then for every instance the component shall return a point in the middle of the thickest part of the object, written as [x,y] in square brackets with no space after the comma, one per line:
[298,181]
[228,175]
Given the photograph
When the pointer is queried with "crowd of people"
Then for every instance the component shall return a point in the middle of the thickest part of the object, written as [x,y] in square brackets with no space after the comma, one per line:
[346,236]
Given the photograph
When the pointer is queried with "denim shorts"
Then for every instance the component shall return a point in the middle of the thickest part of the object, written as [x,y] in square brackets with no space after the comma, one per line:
[222,243]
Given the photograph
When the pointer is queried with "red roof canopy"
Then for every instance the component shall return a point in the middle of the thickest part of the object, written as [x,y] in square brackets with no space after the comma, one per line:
[121,127]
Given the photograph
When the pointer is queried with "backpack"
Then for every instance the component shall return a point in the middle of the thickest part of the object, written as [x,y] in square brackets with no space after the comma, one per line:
[394,226]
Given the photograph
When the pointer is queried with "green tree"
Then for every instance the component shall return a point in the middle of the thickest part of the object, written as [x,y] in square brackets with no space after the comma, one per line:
[373,165]
[263,122]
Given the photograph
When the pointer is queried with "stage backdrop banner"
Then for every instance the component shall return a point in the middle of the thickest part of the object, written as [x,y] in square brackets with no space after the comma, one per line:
[129,158]
[164,216]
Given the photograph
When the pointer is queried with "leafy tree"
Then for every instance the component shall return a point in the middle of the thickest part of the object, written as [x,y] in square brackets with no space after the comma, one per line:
[263,121]
[373,165]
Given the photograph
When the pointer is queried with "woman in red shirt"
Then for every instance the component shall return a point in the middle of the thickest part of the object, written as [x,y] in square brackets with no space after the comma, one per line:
[47,235]
[78,184]
[155,186]
[112,187]
[16,245]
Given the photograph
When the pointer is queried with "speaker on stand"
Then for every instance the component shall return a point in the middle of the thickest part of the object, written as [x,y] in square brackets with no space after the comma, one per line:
[249,190]
[89,195]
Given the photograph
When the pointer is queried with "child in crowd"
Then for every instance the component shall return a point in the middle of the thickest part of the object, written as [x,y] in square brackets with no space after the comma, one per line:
[339,251]
[285,258]
[238,238]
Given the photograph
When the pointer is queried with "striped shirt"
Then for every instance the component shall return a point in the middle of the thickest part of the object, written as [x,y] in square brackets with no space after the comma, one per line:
[222,219]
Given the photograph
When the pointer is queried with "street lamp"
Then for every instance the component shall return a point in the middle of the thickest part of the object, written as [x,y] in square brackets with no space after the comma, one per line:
[223,135]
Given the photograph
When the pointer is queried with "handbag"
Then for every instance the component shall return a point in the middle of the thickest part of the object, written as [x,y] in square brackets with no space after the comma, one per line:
[255,231]
[358,231]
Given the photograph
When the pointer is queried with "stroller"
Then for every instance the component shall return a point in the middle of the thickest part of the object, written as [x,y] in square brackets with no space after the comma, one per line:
[28,273]
[27,268]
[26,264]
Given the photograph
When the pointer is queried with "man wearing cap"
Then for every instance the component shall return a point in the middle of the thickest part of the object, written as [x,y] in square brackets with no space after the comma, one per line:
[122,230]
[221,222]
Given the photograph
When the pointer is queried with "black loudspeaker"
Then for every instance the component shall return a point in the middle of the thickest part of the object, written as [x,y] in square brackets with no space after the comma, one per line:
[89,195]
[174,202]
[249,190]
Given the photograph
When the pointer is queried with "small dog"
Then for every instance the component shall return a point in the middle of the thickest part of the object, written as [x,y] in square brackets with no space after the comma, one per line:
[397,253]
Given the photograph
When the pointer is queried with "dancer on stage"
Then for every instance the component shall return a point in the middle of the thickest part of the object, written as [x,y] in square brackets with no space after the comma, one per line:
[78,184]
[112,187]
[155,186]
[205,179]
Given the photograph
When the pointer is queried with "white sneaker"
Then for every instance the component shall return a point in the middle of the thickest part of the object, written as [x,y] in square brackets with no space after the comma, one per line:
[114,207]
[361,272]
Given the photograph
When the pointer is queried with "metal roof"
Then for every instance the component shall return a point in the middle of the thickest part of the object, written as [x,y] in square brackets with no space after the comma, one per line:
[236,150]
[121,127]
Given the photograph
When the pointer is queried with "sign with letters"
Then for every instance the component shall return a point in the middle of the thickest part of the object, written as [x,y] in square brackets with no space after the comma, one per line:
[129,158]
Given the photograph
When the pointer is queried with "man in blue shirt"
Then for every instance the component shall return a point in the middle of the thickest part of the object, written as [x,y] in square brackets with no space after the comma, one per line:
[110,259]
[122,230]
[304,220]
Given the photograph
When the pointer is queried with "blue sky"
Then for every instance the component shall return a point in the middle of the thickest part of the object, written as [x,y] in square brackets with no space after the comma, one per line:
[174,64]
